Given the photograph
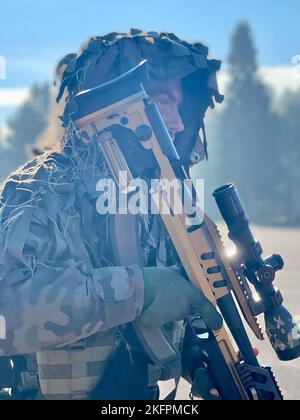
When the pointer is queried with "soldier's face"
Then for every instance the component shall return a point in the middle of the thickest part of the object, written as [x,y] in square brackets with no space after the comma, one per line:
[168,97]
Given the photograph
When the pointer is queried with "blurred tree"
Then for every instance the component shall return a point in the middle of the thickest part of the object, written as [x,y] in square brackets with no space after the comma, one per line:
[290,152]
[247,134]
[50,138]
[1,137]
[25,125]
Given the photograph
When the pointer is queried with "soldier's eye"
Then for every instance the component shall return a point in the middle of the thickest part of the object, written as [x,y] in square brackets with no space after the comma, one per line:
[162,99]
[163,102]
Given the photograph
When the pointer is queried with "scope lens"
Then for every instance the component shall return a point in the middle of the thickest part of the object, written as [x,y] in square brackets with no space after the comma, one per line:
[231,208]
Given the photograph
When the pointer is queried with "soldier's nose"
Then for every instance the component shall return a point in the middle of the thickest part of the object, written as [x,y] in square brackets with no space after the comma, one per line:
[175,124]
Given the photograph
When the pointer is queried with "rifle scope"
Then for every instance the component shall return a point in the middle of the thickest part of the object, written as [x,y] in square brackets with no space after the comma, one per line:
[282,329]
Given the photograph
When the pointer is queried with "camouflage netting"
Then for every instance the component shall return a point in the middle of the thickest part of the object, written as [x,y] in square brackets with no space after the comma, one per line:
[106,57]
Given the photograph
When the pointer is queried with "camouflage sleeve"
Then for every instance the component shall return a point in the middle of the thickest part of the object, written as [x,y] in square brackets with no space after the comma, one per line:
[49,299]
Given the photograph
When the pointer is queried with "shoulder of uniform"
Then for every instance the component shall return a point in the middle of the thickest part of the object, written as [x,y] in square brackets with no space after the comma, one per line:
[48,173]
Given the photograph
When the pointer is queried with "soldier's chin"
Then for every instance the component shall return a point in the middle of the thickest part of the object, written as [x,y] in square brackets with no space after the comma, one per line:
[190,159]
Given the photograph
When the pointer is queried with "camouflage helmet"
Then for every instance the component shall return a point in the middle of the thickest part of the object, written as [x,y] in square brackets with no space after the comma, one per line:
[109,56]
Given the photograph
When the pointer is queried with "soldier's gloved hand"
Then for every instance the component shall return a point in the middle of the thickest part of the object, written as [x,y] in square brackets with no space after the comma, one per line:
[204,387]
[170,297]
[196,362]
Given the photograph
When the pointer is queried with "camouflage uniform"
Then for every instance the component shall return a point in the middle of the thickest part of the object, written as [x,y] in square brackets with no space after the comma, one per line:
[57,283]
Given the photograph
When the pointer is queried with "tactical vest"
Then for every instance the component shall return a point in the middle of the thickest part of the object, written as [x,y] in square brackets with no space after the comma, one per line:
[73,372]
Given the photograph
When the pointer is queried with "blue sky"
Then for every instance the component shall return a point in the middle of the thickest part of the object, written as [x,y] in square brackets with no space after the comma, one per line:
[35,34]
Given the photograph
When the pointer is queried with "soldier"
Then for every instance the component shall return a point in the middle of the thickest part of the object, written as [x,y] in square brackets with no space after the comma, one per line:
[61,295]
